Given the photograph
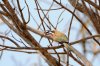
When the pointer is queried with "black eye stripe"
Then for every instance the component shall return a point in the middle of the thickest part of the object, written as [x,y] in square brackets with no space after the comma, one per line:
[53,31]
[50,32]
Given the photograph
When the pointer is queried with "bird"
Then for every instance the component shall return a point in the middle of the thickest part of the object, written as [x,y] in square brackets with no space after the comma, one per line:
[60,37]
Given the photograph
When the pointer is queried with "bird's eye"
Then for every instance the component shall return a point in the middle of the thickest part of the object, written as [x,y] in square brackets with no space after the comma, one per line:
[50,32]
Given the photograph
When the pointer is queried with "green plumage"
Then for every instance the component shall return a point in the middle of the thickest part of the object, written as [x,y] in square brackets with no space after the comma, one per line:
[59,36]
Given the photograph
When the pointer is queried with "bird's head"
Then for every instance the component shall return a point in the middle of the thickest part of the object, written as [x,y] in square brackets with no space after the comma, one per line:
[51,34]
[57,36]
